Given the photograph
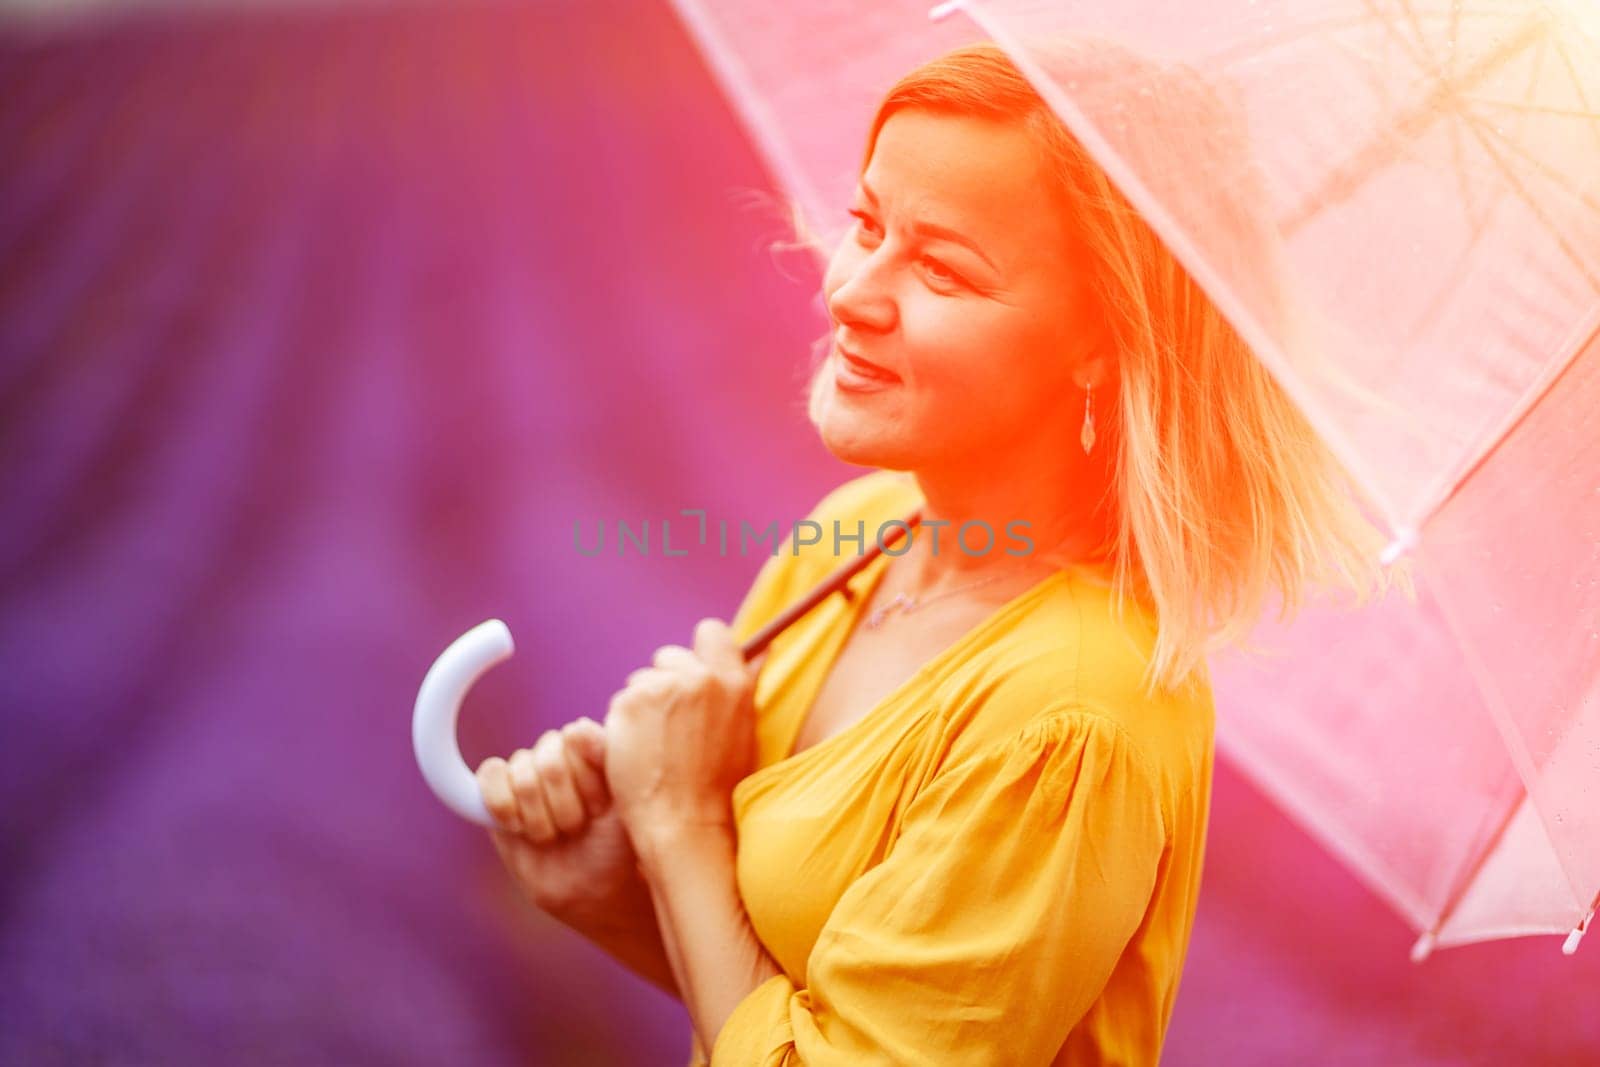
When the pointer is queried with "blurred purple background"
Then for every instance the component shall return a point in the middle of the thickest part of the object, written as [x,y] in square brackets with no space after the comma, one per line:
[319,329]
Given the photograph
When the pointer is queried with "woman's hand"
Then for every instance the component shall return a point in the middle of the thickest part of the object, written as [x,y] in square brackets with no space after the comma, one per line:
[560,836]
[558,832]
[681,735]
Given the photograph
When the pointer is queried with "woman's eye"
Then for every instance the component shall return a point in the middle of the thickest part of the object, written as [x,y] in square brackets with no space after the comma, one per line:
[941,273]
[863,218]
[936,269]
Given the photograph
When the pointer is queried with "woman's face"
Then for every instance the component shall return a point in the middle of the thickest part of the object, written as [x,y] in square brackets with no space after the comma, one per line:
[956,280]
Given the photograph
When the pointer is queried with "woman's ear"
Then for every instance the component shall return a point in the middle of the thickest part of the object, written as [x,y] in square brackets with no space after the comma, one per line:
[1096,368]
[1092,348]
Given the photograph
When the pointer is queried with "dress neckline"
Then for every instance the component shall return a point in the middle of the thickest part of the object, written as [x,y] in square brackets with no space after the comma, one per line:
[863,587]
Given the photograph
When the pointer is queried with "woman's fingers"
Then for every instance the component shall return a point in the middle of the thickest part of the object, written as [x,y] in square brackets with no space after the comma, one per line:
[555,777]
[537,822]
[554,788]
[587,739]
[668,656]
[494,784]
[585,751]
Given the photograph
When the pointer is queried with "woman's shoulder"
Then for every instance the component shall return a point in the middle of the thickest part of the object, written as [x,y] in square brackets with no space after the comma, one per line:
[1073,669]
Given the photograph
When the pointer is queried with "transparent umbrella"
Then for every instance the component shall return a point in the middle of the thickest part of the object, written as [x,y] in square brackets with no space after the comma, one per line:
[1398,206]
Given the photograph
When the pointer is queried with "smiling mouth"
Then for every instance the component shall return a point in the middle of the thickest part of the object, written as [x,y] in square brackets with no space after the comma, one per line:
[868,370]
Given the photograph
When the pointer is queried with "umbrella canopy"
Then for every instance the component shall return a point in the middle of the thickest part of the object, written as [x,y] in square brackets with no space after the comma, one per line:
[1397,204]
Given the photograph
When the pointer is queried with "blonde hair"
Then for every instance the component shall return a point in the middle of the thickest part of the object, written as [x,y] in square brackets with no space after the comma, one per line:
[1221,487]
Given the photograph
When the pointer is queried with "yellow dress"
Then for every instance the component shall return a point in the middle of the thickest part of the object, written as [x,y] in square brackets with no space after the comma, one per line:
[999,862]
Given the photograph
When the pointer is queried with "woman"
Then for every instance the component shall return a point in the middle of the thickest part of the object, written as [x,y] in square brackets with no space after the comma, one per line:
[958,815]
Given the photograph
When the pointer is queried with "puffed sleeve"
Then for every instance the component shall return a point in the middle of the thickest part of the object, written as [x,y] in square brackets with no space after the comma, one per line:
[994,922]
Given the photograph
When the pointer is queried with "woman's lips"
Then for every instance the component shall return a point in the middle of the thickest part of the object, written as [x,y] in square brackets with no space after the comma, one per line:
[853,368]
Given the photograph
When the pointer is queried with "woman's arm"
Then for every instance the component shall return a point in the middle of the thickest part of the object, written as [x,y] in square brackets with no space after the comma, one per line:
[623,925]
[618,917]
[566,848]
[1018,877]
[715,956]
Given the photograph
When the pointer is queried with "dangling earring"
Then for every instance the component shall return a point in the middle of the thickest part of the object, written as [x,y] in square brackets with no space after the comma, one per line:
[1086,438]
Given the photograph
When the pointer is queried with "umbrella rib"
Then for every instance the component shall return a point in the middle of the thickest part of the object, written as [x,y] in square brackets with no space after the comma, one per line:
[1363,63]
[742,91]
[1484,128]
[1470,867]
[1448,486]
[1541,109]
[1504,721]
[1393,36]
[1374,869]
[1533,206]
[1344,179]
[1577,87]
[1250,48]
[1419,36]
[1536,70]
[1555,177]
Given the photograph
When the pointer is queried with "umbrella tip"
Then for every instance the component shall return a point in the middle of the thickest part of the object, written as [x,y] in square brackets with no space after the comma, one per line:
[1405,539]
[939,11]
[1423,948]
[1570,946]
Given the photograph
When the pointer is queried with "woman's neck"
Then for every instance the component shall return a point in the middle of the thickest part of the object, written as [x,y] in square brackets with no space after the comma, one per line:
[975,527]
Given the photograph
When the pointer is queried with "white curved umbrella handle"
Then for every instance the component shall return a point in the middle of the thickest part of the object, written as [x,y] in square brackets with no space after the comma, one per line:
[433,724]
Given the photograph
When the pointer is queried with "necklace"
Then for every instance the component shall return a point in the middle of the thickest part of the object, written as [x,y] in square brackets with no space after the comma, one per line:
[905,605]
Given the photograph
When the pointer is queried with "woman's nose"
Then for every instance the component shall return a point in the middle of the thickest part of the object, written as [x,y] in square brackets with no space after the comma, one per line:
[862,299]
